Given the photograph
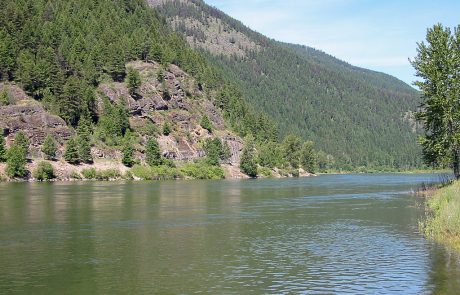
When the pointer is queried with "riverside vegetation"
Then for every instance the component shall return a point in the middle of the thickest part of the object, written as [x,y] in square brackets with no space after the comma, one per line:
[91,82]
[437,64]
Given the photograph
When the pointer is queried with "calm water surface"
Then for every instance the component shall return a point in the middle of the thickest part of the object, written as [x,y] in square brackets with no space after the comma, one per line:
[335,234]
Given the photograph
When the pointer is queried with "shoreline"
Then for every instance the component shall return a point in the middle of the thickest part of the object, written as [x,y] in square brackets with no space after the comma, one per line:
[110,170]
[442,221]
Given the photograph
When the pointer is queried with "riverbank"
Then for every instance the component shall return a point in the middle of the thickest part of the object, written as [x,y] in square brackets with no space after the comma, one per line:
[111,170]
[443,221]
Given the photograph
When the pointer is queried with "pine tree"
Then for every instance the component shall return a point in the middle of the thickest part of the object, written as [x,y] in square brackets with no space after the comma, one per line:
[49,148]
[206,123]
[153,153]
[133,81]
[308,157]
[84,139]
[16,161]
[71,154]
[128,152]
[166,129]
[3,151]
[291,151]
[22,140]
[248,164]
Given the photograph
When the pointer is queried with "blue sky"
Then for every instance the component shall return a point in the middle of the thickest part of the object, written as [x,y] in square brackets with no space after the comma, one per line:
[379,35]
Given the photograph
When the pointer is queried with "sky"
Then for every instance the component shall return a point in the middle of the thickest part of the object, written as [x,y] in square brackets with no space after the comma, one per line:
[376,34]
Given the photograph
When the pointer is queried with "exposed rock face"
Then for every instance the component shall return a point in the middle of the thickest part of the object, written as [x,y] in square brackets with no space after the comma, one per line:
[30,117]
[171,97]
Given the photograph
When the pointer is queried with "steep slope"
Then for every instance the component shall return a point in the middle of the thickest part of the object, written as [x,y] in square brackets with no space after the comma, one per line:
[361,117]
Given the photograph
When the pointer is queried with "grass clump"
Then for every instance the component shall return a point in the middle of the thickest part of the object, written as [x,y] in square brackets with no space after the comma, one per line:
[93,174]
[443,222]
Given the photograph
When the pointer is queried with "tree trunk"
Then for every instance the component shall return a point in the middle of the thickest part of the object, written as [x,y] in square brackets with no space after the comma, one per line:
[456,164]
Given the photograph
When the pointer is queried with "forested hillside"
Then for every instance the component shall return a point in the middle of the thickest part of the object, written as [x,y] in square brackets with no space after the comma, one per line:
[86,81]
[360,117]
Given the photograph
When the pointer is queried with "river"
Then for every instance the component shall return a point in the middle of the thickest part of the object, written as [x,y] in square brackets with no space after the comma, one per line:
[332,234]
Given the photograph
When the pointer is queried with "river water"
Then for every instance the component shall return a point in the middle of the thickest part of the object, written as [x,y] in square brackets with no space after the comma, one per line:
[332,234]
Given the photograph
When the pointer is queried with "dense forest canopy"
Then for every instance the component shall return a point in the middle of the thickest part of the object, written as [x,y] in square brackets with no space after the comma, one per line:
[60,50]
[360,117]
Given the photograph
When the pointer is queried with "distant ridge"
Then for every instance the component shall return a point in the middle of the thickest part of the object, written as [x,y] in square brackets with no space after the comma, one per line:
[360,117]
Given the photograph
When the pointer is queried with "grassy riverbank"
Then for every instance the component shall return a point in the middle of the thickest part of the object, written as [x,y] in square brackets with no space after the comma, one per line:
[443,222]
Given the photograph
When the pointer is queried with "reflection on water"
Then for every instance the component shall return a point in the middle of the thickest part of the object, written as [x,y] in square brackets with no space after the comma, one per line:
[353,234]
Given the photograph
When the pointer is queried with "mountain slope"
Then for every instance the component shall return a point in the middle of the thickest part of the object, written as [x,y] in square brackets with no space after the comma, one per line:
[360,117]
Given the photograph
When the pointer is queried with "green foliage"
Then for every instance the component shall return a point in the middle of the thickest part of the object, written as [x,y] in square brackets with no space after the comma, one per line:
[59,51]
[291,151]
[308,159]
[152,153]
[113,123]
[202,170]
[355,115]
[49,148]
[166,129]
[22,140]
[216,151]
[44,171]
[270,155]
[3,151]
[71,154]
[437,63]
[16,161]
[156,173]
[133,81]
[248,164]
[89,173]
[75,175]
[128,154]
[4,98]
[206,123]
[84,139]
[443,224]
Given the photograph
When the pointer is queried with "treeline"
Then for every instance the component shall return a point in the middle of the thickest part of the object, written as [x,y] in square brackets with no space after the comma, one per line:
[59,51]
[354,115]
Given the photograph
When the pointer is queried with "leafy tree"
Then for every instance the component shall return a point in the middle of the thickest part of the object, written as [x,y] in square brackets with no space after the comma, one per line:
[269,154]
[3,151]
[22,140]
[71,154]
[206,123]
[16,161]
[437,63]
[308,157]
[291,151]
[248,164]
[152,153]
[49,148]
[133,81]
[44,171]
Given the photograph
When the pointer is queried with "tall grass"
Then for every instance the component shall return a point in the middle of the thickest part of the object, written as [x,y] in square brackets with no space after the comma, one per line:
[443,221]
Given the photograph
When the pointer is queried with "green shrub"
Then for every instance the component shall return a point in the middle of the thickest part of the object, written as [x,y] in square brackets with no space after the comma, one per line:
[156,173]
[44,171]
[89,173]
[202,170]
[206,123]
[49,148]
[3,150]
[16,161]
[75,175]
[265,172]
[108,174]
[128,175]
